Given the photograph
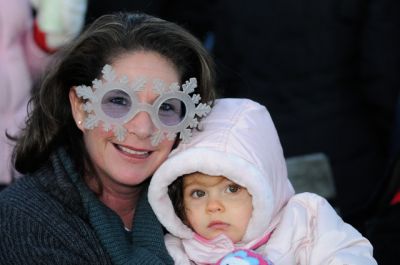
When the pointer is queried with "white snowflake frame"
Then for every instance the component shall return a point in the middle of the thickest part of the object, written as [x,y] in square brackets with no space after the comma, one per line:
[93,96]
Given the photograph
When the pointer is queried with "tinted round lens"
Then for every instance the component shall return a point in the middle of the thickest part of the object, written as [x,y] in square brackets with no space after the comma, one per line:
[171,112]
[116,103]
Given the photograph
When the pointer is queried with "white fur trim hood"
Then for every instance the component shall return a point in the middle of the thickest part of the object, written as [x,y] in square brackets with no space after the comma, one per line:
[239,141]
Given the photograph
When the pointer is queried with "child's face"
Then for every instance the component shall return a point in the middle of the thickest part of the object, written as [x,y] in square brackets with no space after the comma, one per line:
[216,205]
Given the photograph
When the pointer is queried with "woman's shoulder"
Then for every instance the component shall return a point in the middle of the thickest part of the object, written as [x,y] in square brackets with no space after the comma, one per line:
[36,200]
[23,194]
[44,195]
[27,199]
[33,219]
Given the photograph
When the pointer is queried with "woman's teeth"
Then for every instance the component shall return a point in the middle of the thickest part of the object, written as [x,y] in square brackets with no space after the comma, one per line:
[133,152]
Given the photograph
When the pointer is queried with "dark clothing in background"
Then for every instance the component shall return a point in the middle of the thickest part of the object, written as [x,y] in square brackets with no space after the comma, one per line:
[328,72]
[196,16]
[383,225]
[383,231]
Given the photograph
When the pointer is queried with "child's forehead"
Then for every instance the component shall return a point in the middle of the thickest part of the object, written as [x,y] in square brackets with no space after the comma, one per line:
[198,178]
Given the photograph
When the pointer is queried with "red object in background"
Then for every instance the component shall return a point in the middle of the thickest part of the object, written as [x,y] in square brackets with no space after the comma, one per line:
[396,198]
[40,38]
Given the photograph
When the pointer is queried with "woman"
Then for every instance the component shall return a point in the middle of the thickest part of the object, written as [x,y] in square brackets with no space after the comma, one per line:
[100,126]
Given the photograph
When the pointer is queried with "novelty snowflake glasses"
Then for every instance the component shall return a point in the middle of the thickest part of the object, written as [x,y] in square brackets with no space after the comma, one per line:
[113,102]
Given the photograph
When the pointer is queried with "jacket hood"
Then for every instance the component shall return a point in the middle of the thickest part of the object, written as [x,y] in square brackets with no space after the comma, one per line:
[238,140]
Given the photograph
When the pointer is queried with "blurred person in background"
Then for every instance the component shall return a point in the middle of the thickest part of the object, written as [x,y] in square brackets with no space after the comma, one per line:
[27,39]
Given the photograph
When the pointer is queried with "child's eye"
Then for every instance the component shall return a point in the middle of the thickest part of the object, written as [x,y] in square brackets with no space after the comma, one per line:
[198,194]
[233,188]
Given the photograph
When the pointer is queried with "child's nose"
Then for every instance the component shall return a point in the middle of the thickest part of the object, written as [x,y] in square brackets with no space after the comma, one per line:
[215,205]
[141,125]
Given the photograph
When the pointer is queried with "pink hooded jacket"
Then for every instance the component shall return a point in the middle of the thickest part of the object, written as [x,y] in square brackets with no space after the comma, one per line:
[21,61]
[240,142]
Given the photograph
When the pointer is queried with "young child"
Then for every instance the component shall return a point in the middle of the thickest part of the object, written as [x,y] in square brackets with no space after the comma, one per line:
[235,205]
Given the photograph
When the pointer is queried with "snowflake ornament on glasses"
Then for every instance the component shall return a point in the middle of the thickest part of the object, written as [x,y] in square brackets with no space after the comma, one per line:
[113,102]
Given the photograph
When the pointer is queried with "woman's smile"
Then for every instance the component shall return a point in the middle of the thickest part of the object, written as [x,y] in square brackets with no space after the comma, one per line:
[135,153]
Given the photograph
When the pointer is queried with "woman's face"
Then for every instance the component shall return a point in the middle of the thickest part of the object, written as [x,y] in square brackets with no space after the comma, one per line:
[134,159]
